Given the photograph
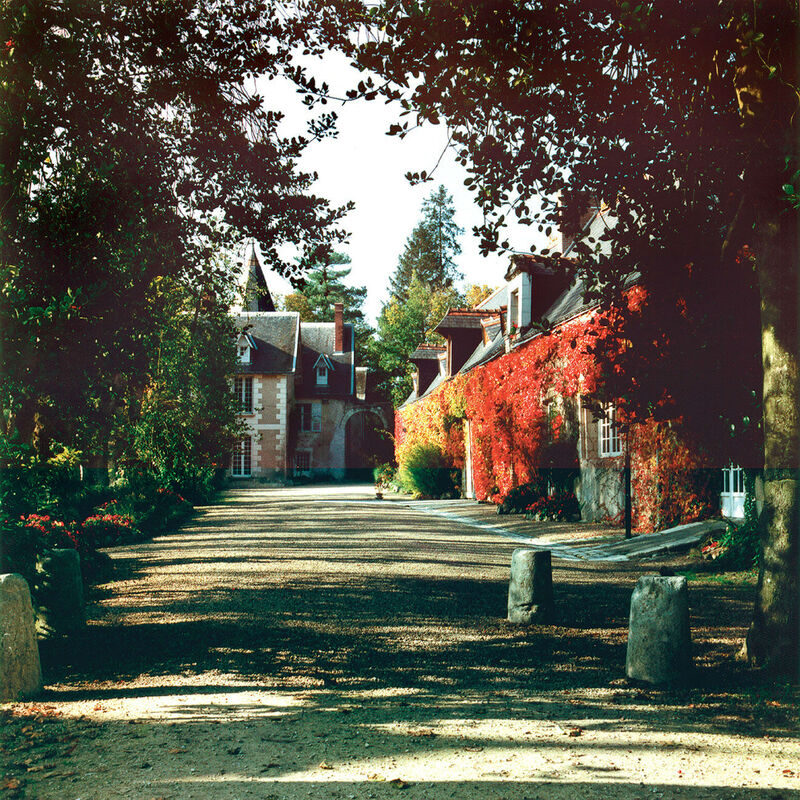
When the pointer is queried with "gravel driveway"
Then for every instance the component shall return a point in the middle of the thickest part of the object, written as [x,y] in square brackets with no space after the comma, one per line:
[318,643]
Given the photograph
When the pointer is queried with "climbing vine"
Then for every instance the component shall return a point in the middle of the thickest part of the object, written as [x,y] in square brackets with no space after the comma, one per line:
[522,414]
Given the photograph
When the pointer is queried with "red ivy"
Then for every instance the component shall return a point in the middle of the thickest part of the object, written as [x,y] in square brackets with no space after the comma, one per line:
[515,406]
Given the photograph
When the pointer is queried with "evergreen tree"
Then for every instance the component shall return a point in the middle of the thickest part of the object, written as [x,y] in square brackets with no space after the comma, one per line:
[431,248]
[324,285]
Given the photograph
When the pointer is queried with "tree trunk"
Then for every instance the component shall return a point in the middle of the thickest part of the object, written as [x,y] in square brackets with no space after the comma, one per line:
[772,640]
[765,83]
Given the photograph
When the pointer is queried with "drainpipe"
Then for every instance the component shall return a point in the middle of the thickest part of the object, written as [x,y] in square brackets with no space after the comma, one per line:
[627,472]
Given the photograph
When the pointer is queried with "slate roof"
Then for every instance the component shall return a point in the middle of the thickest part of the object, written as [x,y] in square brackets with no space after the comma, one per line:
[496,300]
[275,336]
[435,384]
[533,265]
[486,351]
[427,352]
[457,318]
[317,338]
[257,296]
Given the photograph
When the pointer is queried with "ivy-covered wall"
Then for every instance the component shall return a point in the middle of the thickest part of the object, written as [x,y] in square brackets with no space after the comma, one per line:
[523,413]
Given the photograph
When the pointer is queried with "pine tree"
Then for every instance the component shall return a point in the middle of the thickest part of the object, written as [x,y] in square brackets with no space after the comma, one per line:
[431,248]
[324,285]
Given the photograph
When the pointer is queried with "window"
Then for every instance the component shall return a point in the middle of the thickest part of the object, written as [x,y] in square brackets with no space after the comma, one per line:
[731,499]
[322,375]
[310,416]
[240,463]
[513,312]
[302,460]
[243,390]
[608,434]
[244,352]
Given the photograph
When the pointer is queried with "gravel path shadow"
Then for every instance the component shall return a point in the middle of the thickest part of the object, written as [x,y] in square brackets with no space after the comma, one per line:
[303,643]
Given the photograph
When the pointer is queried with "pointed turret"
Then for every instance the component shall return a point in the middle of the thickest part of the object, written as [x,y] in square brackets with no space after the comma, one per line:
[256,292]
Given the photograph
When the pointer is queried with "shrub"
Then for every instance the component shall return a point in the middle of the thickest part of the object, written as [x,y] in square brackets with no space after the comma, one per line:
[384,474]
[740,546]
[424,472]
[559,506]
[152,508]
[50,534]
[19,547]
[108,530]
[520,498]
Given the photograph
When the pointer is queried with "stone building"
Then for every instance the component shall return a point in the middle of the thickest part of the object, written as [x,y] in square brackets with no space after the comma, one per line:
[301,394]
[505,397]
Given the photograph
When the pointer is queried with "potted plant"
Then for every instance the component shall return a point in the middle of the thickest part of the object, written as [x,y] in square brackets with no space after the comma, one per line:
[382,475]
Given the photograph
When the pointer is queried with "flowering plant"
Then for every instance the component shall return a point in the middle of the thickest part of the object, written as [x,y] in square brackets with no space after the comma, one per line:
[560,506]
[52,533]
[107,530]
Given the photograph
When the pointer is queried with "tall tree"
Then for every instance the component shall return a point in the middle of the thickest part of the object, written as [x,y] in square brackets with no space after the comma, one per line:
[431,248]
[133,142]
[683,117]
[403,325]
[323,285]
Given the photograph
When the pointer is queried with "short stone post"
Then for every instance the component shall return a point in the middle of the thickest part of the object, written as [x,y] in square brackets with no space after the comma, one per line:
[60,593]
[530,591]
[20,668]
[659,639]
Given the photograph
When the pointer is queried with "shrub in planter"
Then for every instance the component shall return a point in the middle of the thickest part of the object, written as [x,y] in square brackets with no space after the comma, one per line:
[559,506]
[384,475]
[424,472]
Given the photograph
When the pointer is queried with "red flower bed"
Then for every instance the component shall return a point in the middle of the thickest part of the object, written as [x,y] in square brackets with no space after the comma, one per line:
[107,530]
[52,533]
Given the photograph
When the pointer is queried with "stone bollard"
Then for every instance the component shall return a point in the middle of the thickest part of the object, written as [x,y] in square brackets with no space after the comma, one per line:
[659,639]
[20,668]
[60,593]
[530,591]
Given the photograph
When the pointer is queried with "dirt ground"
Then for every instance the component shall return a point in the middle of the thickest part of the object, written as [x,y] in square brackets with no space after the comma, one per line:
[318,644]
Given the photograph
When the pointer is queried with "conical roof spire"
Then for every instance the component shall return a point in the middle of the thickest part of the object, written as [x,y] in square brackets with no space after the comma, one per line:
[256,293]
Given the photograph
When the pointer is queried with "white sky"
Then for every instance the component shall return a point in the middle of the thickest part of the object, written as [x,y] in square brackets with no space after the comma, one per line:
[366,166]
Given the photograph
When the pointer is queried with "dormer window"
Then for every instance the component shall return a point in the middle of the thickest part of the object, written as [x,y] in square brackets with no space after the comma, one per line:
[513,312]
[245,347]
[323,366]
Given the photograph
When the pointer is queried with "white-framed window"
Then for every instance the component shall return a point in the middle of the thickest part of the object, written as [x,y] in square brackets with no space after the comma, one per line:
[302,460]
[243,391]
[244,353]
[240,462]
[513,311]
[731,498]
[608,439]
[322,375]
[310,416]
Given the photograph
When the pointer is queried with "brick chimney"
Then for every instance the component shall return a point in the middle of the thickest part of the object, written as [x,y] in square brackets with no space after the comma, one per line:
[338,328]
